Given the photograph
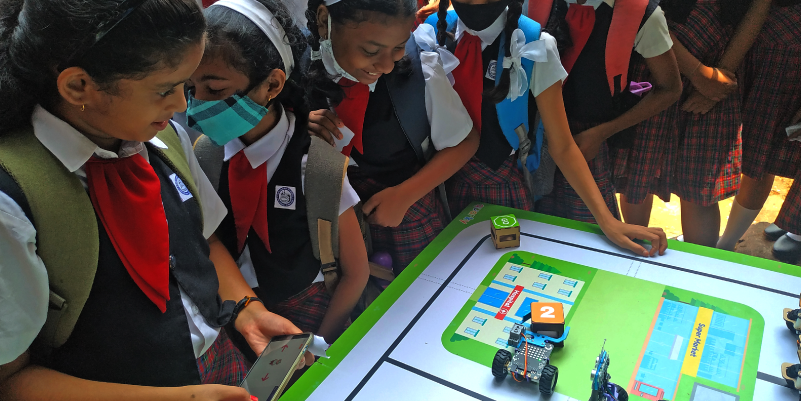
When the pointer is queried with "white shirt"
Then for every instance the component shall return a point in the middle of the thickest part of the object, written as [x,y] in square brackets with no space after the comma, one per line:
[270,149]
[653,39]
[447,116]
[24,289]
[544,74]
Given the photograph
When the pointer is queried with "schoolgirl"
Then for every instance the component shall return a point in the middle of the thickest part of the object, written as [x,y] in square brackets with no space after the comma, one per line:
[599,102]
[107,212]
[771,96]
[528,76]
[410,132]
[707,120]
[245,96]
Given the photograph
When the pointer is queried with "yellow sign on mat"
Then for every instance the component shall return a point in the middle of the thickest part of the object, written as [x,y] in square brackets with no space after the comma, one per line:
[697,341]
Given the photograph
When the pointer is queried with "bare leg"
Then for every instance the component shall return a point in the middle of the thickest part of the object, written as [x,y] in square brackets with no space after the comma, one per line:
[638,214]
[701,224]
[753,193]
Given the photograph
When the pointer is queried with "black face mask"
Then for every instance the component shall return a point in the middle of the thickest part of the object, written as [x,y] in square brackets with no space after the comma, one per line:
[479,17]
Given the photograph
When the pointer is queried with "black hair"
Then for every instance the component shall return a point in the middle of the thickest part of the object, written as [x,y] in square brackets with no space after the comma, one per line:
[246,48]
[557,25]
[38,38]
[321,89]
[500,91]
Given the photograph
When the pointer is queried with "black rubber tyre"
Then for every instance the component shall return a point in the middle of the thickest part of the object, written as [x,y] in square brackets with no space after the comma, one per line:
[622,395]
[559,345]
[548,379]
[500,365]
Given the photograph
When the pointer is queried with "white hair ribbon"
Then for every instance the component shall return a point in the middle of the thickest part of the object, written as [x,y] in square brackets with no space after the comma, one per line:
[265,20]
[426,38]
[535,51]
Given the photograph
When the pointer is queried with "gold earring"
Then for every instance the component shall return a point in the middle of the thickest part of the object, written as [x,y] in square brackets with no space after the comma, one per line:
[83,107]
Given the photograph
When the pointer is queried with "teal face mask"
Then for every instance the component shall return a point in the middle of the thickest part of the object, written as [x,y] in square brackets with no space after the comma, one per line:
[224,120]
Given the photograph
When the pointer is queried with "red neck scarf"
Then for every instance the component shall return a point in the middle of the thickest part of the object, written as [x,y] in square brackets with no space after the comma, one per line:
[469,76]
[248,189]
[351,111]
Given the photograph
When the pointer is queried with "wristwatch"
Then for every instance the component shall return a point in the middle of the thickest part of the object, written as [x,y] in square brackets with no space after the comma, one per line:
[241,305]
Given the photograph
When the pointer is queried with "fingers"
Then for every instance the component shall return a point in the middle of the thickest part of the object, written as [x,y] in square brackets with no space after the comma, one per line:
[328,120]
[627,243]
[663,245]
[321,132]
[370,206]
[309,358]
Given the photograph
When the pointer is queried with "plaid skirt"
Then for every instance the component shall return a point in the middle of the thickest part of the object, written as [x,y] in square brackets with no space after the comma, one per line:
[424,220]
[305,309]
[477,182]
[565,202]
[645,168]
[790,214]
[222,363]
[772,95]
[709,155]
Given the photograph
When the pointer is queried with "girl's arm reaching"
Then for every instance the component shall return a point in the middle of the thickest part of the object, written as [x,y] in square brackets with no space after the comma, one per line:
[353,278]
[571,162]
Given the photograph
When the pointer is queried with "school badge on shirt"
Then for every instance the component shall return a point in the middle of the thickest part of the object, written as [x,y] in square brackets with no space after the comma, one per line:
[183,191]
[284,197]
[491,70]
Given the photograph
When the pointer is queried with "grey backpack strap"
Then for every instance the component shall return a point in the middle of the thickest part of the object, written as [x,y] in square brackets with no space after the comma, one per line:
[523,151]
[325,173]
[210,157]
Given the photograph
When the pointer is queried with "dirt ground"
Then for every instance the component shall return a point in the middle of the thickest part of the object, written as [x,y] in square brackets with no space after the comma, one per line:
[668,216]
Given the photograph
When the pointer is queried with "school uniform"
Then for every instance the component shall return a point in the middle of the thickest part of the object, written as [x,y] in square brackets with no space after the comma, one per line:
[120,335]
[282,267]
[789,218]
[493,174]
[772,95]
[589,100]
[410,115]
[709,149]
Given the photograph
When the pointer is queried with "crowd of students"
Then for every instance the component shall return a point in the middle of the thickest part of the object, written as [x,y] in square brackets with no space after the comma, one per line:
[138,263]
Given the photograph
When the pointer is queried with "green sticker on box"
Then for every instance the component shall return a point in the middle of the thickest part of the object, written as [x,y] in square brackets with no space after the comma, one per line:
[505,221]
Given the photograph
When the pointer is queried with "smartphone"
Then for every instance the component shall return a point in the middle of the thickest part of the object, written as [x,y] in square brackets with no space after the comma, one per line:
[274,367]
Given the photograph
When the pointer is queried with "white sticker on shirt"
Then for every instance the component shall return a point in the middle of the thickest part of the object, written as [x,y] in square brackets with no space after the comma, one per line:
[183,191]
[491,70]
[284,197]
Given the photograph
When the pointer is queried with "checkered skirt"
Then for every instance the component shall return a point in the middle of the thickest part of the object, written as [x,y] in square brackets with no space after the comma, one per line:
[477,182]
[307,308]
[772,95]
[565,202]
[645,167]
[222,363]
[790,214]
[709,156]
[424,220]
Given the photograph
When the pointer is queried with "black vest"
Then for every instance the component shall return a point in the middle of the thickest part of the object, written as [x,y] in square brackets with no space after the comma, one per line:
[586,92]
[121,336]
[396,124]
[291,267]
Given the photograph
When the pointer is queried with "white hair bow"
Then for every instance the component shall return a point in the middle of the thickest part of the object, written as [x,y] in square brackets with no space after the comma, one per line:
[535,51]
[427,40]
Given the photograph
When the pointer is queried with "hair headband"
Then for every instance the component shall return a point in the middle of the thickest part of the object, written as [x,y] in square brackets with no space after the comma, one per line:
[265,20]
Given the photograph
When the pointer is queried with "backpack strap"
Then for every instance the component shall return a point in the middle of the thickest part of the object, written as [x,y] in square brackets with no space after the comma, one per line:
[325,173]
[627,19]
[210,157]
[70,259]
[176,159]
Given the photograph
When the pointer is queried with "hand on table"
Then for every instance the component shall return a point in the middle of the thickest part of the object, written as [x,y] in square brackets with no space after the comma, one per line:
[714,83]
[259,326]
[623,234]
[387,207]
[212,392]
[325,124]
[590,141]
[697,103]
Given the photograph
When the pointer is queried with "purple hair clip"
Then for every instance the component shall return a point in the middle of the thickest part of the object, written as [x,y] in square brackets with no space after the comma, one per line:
[640,88]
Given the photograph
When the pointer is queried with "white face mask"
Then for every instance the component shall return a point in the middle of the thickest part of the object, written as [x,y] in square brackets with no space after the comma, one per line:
[326,54]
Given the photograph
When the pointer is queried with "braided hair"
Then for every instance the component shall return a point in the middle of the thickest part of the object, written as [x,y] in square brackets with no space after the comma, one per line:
[500,91]
[557,25]
[39,38]
[321,89]
[235,39]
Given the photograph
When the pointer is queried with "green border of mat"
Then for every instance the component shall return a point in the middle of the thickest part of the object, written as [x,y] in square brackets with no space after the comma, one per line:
[309,382]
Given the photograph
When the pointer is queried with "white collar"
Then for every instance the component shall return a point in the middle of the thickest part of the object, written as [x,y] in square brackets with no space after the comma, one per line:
[594,3]
[72,148]
[371,86]
[488,35]
[261,151]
